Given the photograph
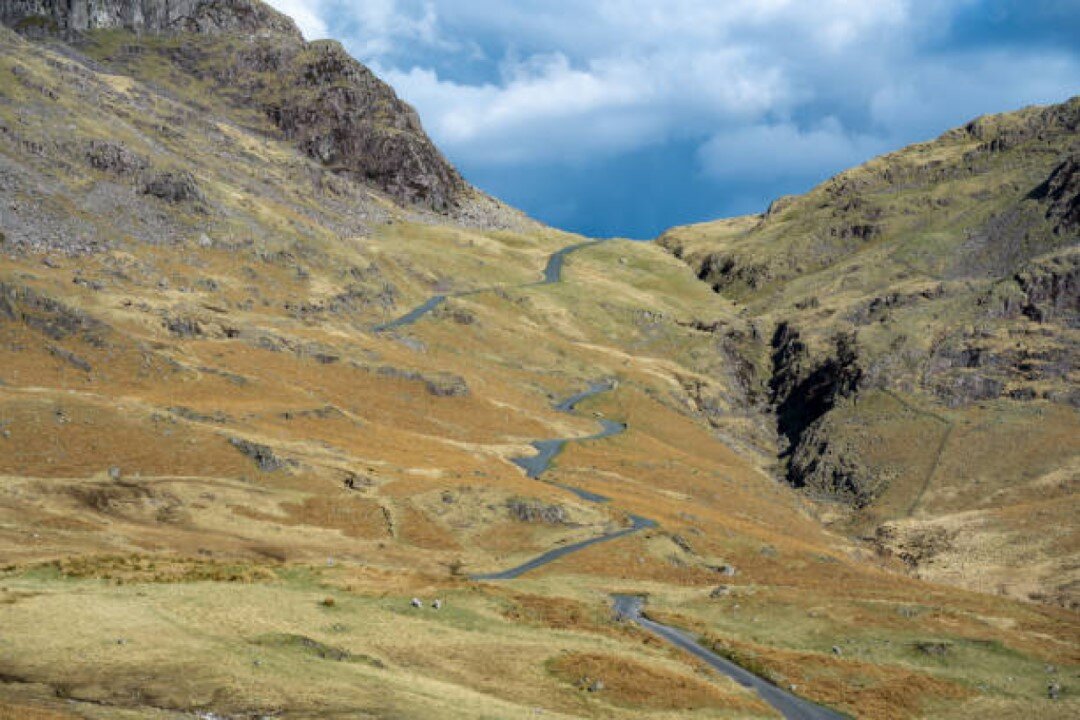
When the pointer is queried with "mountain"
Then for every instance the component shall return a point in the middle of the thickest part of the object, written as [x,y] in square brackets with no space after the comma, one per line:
[916,339]
[251,63]
[270,371]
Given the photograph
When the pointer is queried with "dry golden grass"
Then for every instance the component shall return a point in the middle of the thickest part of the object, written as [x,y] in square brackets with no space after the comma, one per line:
[162,409]
[631,684]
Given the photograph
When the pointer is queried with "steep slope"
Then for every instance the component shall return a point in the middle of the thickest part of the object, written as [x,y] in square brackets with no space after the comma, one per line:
[244,56]
[225,471]
[918,319]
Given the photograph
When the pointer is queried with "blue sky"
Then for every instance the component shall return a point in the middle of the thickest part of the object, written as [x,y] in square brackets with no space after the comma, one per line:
[626,117]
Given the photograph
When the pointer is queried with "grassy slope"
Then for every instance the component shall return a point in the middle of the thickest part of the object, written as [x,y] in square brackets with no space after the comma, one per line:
[915,252]
[214,574]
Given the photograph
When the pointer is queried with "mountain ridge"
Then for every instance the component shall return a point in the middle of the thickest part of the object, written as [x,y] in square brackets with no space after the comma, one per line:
[315,94]
[277,441]
[941,279]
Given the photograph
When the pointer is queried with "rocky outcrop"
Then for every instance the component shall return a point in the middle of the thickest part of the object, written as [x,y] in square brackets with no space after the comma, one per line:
[263,456]
[803,391]
[173,187]
[339,113]
[827,468]
[534,511]
[1062,192]
[1048,290]
[329,105]
[72,17]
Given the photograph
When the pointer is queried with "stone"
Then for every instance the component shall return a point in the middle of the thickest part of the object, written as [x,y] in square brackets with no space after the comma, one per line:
[720,591]
[938,648]
[683,544]
[534,511]
[114,158]
[74,17]
[114,473]
[174,187]
[263,456]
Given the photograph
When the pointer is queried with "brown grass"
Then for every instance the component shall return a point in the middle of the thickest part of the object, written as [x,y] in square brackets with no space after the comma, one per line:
[33,712]
[158,569]
[876,692]
[632,684]
[354,517]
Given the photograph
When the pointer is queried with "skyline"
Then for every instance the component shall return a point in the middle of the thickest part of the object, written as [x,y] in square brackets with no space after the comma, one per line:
[620,118]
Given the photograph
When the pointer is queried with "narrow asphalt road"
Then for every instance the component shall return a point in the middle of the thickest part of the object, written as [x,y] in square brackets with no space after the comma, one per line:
[552,274]
[629,607]
[637,523]
[536,465]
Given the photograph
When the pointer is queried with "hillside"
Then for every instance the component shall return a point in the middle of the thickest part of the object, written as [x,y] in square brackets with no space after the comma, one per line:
[917,340]
[270,370]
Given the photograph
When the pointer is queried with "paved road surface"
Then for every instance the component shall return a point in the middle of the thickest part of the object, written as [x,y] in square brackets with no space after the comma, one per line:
[552,275]
[629,607]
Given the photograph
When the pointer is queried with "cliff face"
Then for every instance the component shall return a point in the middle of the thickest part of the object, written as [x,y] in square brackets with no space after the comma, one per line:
[924,313]
[331,106]
[70,17]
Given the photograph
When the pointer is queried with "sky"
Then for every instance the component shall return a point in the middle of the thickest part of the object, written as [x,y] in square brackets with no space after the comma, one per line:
[627,117]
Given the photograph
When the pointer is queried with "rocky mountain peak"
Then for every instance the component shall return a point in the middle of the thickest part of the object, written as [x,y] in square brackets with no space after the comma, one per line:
[327,103]
[72,17]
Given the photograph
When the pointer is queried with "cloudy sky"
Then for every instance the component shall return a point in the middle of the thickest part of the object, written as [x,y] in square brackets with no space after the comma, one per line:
[625,117]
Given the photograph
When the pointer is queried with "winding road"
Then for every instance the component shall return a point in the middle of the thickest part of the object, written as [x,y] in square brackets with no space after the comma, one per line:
[629,607]
[536,465]
[552,275]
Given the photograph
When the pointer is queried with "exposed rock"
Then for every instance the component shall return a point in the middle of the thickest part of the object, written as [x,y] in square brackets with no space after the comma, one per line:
[534,511]
[683,544]
[1062,192]
[183,326]
[937,648]
[69,357]
[174,187]
[339,113]
[827,469]
[48,316]
[330,105]
[263,456]
[803,391]
[720,591]
[439,385]
[966,388]
[114,158]
[217,417]
[915,546]
[1051,287]
[71,17]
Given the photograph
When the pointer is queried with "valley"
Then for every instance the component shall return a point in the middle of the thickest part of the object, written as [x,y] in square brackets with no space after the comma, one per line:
[269,372]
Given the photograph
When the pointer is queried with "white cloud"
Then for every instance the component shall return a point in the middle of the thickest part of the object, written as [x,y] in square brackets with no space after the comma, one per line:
[758,152]
[766,88]
[306,15]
